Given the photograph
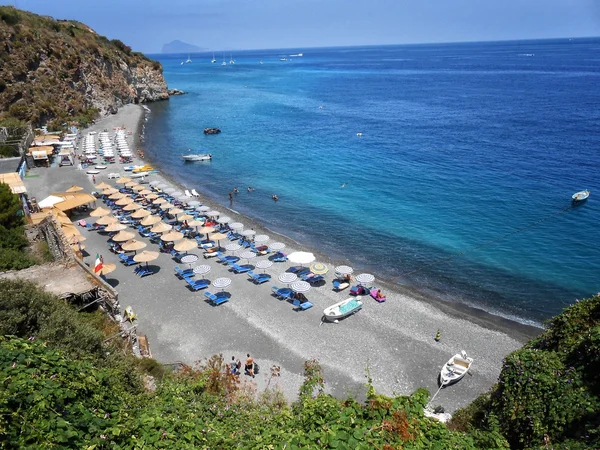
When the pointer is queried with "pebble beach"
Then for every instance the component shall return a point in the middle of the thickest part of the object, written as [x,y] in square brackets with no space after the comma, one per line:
[393,341]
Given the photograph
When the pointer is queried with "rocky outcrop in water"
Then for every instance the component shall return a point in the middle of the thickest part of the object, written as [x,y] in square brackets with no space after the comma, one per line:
[60,70]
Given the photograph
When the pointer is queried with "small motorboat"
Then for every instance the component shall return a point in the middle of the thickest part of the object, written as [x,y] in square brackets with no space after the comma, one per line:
[139,174]
[456,368]
[145,168]
[342,309]
[212,130]
[580,196]
[197,157]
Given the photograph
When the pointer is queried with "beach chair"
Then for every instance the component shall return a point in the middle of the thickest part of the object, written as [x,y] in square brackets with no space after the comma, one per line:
[282,293]
[176,255]
[208,254]
[196,285]
[187,193]
[311,277]
[340,285]
[228,259]
[302,306]
[128,260]
[374,293]
[357,290]
[241,269]
[296,269]
[145,271]
[182,273]
[258,278]
[194,193]
[217,299]
[279,257]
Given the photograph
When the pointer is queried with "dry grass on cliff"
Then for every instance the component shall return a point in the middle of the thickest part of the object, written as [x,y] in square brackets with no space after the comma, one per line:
[59,71]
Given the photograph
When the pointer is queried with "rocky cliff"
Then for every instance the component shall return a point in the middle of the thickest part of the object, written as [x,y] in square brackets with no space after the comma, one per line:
[57,71]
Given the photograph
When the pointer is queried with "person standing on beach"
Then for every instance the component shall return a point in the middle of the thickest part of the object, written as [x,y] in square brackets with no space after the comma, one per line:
[230,198]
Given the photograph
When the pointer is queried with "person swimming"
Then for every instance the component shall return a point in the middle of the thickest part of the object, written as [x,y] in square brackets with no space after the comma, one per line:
[274,197]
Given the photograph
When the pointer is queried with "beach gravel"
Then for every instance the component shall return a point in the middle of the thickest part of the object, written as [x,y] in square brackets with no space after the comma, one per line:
[394,340]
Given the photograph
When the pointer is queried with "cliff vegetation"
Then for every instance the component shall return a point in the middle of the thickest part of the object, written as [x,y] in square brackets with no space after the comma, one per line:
[57,71]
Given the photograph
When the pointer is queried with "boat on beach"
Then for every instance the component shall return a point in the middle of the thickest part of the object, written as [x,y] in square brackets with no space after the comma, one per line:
[455,369]
[580,196]
[197,157]
[342,309]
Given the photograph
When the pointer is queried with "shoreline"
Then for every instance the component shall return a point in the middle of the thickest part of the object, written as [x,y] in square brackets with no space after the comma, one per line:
[394,340]
[519,330]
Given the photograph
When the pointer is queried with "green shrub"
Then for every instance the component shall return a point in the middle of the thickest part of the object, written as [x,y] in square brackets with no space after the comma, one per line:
[9,15]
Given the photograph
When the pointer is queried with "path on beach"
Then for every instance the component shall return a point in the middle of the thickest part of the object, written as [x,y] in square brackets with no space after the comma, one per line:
[394,339]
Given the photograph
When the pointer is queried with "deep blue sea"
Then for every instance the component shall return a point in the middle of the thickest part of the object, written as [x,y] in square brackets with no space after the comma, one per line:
[468,155]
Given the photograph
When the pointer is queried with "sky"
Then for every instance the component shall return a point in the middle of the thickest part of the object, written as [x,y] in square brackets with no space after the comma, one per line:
[146,25]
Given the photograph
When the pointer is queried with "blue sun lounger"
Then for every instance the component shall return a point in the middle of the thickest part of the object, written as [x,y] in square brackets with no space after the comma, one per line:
[196,285]
[259,278]
[183,273]
[127,260]
[241,269]
[302,306]
[218,298]
[279,257]
[143,271]
[282,293]
[228,259]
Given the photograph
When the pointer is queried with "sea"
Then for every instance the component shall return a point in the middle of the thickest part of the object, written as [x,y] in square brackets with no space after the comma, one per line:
[446,168]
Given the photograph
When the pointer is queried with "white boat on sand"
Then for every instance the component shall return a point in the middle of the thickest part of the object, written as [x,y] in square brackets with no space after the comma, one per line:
[580,196]
[342,309]
[197,157]
[456,368]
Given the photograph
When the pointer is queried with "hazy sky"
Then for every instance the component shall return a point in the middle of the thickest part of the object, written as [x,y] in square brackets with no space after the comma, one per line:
[146,25]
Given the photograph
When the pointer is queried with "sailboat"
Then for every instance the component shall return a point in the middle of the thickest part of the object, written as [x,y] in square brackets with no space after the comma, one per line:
[213,60]
[260,62]
[231,60]
[187,61]
[223,63]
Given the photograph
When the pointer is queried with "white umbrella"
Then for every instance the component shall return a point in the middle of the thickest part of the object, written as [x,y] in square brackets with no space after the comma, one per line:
[201,270]
[261,238]
[300,286]
[233,247]
[213,213]
[364,278]
[277,246]
[247,255]
[344,270]
[203,208]
[236,225]
[221,283]
[169,190]
[248,233]
[301,257]
[287,277]
[177,194]
[194,203]
[264,264]
[154,183]
[224,219]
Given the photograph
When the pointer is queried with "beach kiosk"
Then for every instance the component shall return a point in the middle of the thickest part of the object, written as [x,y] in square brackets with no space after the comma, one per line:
[66,159]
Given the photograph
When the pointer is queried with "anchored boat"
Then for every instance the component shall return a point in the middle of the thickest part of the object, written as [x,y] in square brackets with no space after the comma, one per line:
[580,196]
[197,157]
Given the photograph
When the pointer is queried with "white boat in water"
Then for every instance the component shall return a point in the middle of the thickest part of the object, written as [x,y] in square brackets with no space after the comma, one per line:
[342,309]
[213,60]
[187,61]
[580,196]
[197,157]
[456,368]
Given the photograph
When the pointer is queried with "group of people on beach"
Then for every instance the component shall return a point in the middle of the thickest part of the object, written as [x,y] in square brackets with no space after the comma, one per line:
[250,367]
[250,189]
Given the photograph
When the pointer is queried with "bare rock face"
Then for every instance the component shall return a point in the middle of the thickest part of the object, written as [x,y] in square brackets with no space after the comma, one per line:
[61,71]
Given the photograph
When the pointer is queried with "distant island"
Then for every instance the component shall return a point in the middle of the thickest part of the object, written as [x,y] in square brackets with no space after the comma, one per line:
[177,46]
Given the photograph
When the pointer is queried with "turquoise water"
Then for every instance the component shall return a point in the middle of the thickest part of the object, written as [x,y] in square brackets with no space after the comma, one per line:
[461,145]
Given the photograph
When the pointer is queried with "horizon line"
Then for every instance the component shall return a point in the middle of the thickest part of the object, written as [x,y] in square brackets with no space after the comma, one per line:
[377,45]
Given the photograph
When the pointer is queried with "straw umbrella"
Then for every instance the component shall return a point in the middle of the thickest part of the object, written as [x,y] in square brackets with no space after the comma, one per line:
[103,185]
[185,244]
[141,213]
[175,211]
[145,191]
[161,227]
[132,207]
[123,236]
[207,231]
[139,188]
[133,245]
[107,220]
[145,256]
[74,188]
[183,217]
[151,196]
[123,180]
[124,201]
[76,238]
[107,268]
[165,206]
[172,236]
[99,212]
[159,201]
[150,220]
[217,237]
[110,191]
[113,227]
[117,196]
